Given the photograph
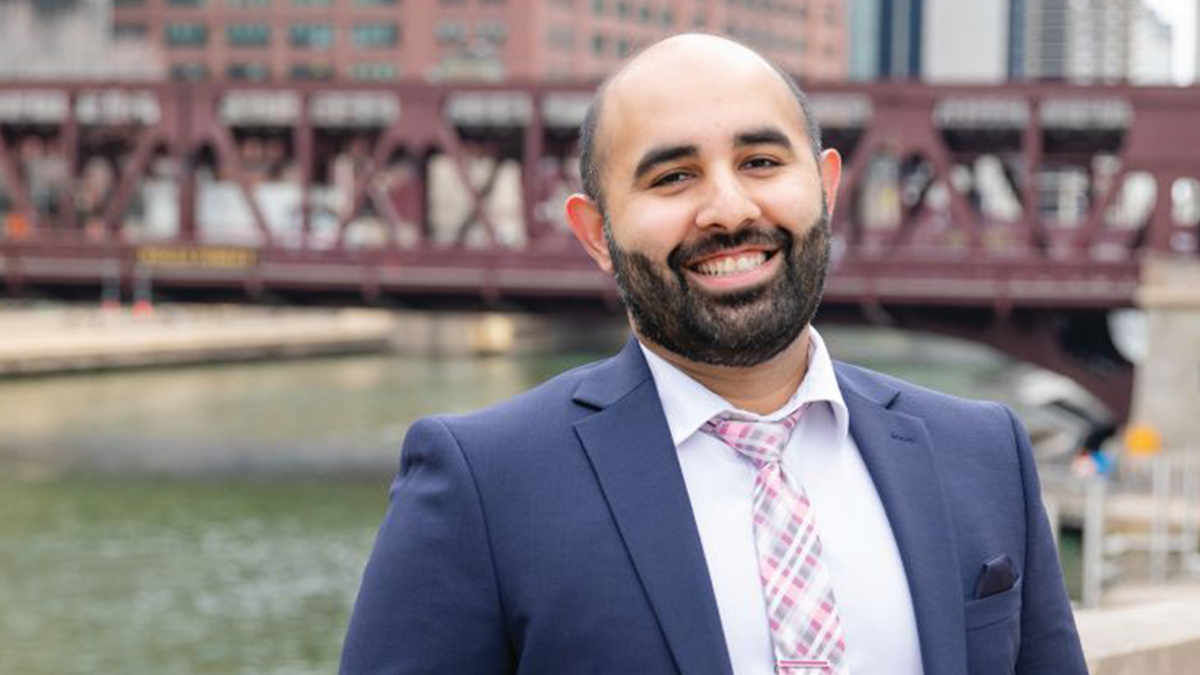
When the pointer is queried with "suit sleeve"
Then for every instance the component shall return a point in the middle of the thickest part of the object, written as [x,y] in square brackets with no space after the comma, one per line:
[429,601]
[1049,642]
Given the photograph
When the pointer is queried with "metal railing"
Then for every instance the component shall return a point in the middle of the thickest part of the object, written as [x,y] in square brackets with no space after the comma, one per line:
[1175,489]
[1162,491]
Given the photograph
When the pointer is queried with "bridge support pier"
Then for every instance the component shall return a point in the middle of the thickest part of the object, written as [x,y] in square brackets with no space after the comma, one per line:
[1166,393]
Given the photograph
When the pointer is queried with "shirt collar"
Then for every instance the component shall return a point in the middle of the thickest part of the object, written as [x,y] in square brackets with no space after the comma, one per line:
[688,404]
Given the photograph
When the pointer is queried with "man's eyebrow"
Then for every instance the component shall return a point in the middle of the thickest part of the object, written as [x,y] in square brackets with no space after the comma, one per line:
[662,155]
[763,136]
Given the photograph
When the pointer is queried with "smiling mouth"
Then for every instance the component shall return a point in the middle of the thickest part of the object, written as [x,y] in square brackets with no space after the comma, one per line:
[730,265]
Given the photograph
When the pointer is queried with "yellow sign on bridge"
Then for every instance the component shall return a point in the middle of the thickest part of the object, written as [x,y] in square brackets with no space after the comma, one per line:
[224,257]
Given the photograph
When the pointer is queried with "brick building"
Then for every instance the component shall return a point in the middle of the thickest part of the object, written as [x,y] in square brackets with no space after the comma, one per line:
[289,40]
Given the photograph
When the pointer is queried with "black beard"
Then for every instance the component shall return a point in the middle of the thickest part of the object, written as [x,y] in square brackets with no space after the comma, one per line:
[742,328]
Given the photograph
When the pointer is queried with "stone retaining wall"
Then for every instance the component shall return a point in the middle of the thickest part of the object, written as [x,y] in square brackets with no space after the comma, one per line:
[1150,639]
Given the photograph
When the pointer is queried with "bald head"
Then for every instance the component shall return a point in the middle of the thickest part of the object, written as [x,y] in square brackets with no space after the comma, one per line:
[692,55]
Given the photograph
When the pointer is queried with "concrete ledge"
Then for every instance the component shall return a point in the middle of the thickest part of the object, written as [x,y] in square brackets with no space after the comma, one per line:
[72,340]
[1169,283]
[1152,639]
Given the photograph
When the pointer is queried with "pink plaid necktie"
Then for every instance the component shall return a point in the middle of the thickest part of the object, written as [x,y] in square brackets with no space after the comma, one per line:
[806,630]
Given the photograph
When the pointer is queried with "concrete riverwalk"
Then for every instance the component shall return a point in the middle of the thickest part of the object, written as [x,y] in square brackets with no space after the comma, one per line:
[1144,629]
[66,338]
[62,339]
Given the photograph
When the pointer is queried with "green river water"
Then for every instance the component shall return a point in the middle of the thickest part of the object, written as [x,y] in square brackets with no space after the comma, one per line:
[216,519]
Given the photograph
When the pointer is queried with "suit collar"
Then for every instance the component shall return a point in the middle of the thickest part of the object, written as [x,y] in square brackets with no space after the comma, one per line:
[630,449]
[614,378]
[688,404]
[865,384]
[898,452]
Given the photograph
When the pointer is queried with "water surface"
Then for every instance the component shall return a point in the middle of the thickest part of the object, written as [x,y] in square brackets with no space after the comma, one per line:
[216,519]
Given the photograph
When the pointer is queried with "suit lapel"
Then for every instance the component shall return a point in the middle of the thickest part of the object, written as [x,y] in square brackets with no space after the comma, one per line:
[898,454]
[631,451]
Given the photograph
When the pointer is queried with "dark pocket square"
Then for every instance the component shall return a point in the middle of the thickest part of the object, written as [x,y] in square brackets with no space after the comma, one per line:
[998,575]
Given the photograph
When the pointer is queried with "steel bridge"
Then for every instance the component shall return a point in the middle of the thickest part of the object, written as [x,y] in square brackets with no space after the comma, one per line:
[1017,215]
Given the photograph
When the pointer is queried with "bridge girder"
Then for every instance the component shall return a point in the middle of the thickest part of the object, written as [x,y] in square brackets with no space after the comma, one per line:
[1019,200]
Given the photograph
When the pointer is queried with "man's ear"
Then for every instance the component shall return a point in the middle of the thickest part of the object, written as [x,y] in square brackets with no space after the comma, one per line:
[831,176]
[587,222]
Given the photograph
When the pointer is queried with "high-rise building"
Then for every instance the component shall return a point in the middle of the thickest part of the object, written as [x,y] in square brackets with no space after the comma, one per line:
[68,39]
[931,40]
[1015,53]
[965,41]
[465,39]
[1195,47]
[1038,38]
[1151,51]
[863,29]
[988,41]
[1102,41]
[1074,40]
[900,38]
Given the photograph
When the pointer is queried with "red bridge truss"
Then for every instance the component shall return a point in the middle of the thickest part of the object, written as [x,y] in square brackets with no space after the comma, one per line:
[1014,215]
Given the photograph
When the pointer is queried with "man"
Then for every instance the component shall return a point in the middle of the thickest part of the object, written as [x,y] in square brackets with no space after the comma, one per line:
[719,497]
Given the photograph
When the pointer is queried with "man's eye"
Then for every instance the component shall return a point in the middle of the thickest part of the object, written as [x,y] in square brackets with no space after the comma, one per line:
[760,163]
[669,178]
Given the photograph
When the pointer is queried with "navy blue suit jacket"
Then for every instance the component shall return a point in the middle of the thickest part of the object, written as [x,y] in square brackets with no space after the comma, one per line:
[552,535]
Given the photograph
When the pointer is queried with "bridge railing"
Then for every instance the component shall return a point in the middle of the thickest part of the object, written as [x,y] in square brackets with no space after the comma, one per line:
[1073,174]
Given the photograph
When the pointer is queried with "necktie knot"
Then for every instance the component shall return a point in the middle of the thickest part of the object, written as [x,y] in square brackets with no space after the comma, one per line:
[760,441]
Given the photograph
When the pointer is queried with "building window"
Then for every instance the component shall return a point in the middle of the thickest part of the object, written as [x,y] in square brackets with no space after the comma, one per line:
[247,71]
[560,36]
[185,3]
[668,18]
[493,31]
[376,3]
[644,14]
[375,35]
[597,44]
[128,3]
[310,71]
[315,36]
[189,72]
[312,3]
[623,48]
[248,34]
[129,31]
[186,34]
[246,4]
[622,9]
[374,71]
[449,32]
[598,7]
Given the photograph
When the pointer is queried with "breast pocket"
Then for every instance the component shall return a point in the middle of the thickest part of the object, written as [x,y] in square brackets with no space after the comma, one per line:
[994,632]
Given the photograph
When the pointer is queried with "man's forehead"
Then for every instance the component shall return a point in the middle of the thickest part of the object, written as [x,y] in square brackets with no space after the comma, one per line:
[686,59]
[689,76]
[688,50]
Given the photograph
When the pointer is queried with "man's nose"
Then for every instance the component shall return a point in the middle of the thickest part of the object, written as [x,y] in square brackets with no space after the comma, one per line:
[727,203]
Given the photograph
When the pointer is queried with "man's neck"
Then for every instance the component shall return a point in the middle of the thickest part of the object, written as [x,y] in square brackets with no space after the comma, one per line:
[762,388]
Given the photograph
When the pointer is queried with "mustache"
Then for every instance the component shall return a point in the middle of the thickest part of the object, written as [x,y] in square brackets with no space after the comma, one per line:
[684,254]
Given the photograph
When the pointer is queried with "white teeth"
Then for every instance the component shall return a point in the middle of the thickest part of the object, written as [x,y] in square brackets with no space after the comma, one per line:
[732,264]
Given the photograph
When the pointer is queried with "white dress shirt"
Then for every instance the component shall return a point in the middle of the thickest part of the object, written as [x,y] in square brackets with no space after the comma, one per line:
[859,548]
